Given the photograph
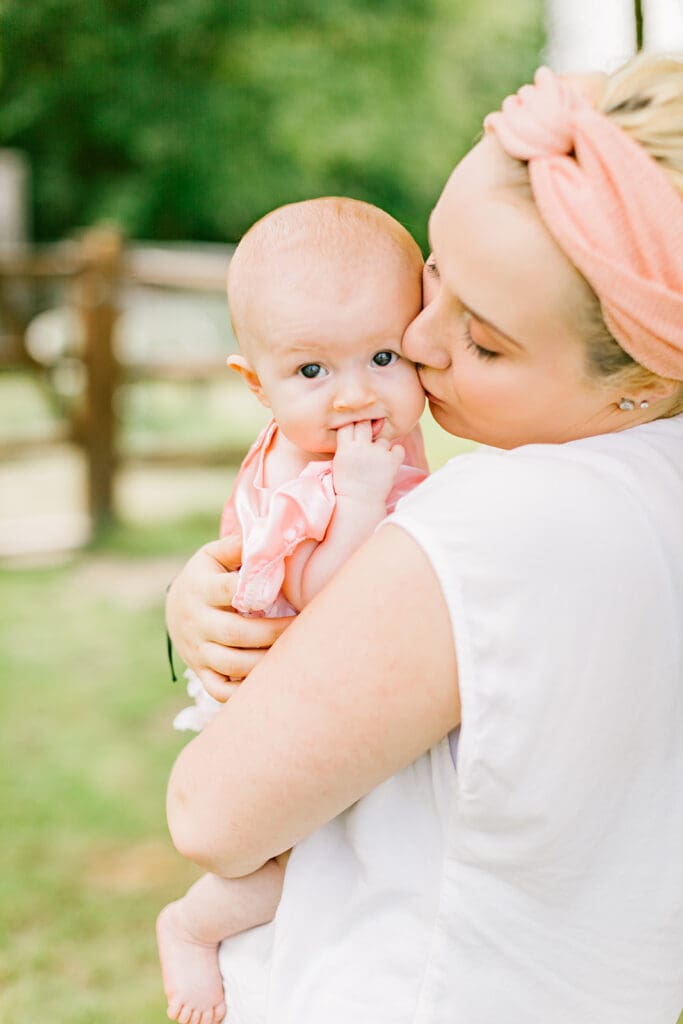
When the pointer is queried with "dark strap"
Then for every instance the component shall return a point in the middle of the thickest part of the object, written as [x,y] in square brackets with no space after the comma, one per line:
[169,652]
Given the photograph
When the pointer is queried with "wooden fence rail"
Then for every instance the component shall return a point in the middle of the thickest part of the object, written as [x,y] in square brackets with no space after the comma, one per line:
[96,269]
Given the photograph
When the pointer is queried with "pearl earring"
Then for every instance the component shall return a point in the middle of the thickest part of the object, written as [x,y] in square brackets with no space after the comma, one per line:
[627,405]
[645,404]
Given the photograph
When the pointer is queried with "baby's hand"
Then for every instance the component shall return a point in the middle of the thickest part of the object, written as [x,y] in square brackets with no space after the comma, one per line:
[365,469]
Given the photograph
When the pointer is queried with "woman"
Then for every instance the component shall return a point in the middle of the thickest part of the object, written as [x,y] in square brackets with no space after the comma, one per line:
[481,772]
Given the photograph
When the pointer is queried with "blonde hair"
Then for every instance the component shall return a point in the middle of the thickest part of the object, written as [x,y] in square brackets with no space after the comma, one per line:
[645,98]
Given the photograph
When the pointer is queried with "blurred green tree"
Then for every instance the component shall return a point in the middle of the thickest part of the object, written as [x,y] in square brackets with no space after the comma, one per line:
[191,119]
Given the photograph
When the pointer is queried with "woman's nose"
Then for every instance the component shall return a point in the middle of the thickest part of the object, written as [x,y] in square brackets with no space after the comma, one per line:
[353,392]
[422,340]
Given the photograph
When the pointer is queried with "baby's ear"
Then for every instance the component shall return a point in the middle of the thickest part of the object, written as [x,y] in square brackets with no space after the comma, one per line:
[240,365]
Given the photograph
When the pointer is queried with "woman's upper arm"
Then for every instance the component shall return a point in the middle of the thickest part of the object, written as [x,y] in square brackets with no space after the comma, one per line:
[363,683]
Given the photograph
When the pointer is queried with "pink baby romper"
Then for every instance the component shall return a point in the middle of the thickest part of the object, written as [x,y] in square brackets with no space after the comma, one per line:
[273,522]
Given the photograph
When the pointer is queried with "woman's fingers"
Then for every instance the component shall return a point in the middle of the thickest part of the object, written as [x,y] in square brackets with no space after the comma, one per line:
[219,588]
[227,551]
[216,686]
[228,662]
[230,629]
[208,634]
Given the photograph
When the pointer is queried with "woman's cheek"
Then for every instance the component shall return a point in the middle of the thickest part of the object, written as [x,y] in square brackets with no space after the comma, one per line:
[478,385]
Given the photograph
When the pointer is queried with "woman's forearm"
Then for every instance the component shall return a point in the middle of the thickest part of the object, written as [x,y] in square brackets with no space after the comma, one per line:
[298,743]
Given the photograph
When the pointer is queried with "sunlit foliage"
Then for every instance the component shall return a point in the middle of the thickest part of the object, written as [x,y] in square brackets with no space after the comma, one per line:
[190,119]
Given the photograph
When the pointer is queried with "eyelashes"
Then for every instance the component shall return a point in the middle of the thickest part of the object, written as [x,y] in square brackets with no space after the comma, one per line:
[479,350]
[483,353]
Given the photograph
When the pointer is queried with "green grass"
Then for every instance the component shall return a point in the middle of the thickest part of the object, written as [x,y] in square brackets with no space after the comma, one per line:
[85,863]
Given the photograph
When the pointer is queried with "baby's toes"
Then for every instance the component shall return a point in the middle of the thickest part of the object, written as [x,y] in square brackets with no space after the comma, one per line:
[219,1012]
[174,1008]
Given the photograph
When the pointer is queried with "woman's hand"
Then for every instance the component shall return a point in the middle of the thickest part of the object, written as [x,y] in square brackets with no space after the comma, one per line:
[217,643]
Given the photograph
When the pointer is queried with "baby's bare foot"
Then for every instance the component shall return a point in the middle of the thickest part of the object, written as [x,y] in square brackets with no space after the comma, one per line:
[189,967]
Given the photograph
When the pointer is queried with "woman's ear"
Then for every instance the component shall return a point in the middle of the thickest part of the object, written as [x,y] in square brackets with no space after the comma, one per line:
[240,365]
[661,389]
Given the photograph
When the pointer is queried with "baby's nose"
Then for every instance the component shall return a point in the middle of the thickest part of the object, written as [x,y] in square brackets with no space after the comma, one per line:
[353,393]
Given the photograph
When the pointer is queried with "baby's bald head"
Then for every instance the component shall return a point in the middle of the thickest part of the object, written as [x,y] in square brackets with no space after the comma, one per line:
[324,244]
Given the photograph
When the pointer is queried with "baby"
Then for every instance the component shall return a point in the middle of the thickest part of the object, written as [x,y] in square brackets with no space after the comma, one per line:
[320,293]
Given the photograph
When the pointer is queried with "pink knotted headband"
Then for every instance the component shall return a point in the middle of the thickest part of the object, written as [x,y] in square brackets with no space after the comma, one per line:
[611,209]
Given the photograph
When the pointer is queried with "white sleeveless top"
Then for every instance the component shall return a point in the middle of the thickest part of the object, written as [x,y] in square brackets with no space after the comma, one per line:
[540,879]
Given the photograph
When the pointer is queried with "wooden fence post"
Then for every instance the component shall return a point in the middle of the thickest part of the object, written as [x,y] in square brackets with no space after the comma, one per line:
[14,190]
[97,301]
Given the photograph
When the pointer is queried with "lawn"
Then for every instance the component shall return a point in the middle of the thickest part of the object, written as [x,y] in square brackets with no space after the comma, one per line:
[86,707]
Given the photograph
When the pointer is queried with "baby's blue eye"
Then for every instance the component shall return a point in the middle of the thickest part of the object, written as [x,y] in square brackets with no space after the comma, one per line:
[310,370]
[385,358]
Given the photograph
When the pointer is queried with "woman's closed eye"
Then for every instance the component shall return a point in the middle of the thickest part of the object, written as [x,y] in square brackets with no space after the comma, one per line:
[479,350]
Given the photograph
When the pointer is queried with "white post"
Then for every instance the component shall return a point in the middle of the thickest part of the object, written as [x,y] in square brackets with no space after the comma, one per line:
[663,26]
[14,191]
[585,35]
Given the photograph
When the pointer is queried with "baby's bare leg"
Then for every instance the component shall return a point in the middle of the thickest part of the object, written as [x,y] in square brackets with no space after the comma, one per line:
[189,931]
